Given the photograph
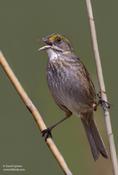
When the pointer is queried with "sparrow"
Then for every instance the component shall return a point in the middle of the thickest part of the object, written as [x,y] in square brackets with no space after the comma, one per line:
[72,89]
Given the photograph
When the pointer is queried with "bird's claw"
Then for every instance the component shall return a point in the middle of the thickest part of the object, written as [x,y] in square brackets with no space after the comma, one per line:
[102,102]
[105,104]
[46,133]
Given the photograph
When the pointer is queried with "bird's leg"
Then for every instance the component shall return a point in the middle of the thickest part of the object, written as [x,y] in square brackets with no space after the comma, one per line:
[103,103]
[47,132]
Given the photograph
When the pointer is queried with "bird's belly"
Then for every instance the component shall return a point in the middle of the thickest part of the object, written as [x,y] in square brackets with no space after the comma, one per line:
[74,102]
[68,91]
[75,106]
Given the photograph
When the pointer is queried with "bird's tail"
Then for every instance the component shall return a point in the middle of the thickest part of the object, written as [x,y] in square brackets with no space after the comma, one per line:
[94,138]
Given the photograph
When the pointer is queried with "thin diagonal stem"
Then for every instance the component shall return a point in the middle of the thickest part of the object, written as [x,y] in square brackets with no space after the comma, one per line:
[35,113]
[102,87]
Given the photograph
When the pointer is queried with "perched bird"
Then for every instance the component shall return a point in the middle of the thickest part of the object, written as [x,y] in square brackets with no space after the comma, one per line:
[72,89]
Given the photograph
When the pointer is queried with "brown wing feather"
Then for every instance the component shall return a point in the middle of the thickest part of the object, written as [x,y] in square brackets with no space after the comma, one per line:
[87,76]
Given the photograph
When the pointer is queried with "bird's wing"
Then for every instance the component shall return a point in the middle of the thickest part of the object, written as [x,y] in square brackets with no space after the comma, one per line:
[83,78]
[91,86]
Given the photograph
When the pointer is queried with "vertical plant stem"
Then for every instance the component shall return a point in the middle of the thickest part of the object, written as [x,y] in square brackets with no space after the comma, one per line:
[35,113]
[102,87]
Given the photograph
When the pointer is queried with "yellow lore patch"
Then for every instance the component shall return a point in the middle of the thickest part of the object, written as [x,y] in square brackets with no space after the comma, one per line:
[57,37]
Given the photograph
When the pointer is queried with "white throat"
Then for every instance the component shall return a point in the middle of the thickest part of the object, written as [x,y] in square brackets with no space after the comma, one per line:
[52,54]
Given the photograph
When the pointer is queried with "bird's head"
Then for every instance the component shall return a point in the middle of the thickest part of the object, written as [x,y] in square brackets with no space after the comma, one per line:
[56,42]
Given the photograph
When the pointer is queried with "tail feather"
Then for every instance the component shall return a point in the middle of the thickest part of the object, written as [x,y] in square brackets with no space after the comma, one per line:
[94,138]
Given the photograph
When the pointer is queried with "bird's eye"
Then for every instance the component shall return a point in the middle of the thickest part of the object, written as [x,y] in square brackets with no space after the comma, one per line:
[58,39]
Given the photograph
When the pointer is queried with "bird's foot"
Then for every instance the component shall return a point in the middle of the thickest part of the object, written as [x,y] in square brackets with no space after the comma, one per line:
[102,102]
[105,104]
[46,133]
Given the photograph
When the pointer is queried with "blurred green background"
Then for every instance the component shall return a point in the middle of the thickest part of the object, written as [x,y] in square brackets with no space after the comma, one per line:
[22,25]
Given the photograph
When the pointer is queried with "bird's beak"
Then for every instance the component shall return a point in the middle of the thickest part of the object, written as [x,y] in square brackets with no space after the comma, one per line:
[50,46]
[47,46]
[44,47]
